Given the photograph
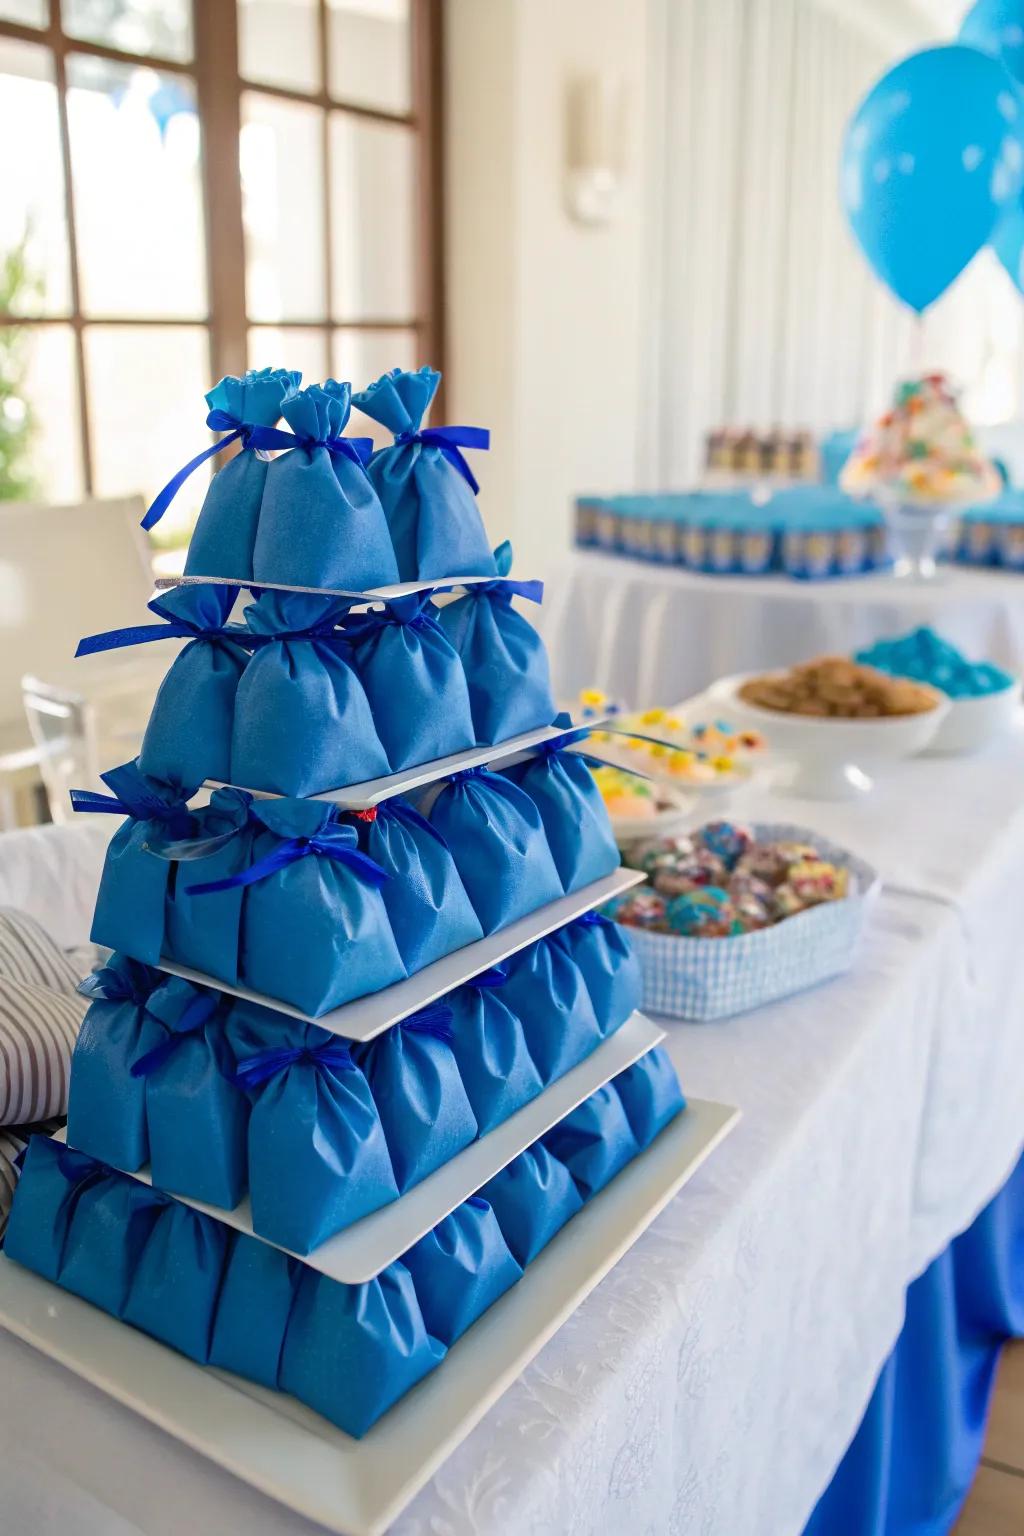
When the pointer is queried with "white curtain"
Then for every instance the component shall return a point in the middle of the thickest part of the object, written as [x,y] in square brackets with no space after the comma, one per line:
[761,309]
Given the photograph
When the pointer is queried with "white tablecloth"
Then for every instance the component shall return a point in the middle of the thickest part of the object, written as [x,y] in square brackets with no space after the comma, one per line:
[649,634]
[710,1385]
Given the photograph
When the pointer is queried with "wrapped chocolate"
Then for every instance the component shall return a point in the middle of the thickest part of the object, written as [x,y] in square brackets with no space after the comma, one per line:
[428,907]
[419,1095]
[198,933]
[302,723]
[497,840]
[533,1197]
[595,1142]
[611,971]
[426,487]
[460,1269]
[317,1153]
[650,1094]
[256,1301]
[321,523]
[223,540]
[174,1289]
[490,1049]
[351,1351]
[576,824]
[547,992]
[106,1104]
[503,656]
[413,679]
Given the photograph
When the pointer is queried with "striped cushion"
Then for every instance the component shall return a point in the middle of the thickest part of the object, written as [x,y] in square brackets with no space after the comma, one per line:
[38,1029]
[10,1146]
[28,954]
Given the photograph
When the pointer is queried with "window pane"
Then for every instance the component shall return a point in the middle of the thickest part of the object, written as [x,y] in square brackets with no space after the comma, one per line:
[362,356]
[147,413]
[282,191]
[369,53]
[40,451]
[275,346]
[138,208]
[160,27]
[31,13]
[279,43]
[372,219]
[33,229]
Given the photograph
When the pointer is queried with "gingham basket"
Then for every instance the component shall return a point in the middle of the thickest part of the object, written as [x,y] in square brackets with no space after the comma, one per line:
[705,979]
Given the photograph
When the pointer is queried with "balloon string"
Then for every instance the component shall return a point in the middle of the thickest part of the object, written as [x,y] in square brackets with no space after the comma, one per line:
[917,344]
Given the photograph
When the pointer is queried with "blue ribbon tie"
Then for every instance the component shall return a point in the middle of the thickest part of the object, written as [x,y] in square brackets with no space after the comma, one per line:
[177,818]
[113,985]
[258,1069]
[289,852]
[434,1020]
[495,976]
[451,440]
[194,1016]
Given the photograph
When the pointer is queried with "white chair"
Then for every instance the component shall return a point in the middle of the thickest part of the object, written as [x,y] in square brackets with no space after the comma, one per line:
[62,732]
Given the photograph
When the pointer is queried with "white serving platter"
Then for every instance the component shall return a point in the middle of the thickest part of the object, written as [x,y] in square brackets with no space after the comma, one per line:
[370,594]
[359,1487]
[368,1246]
[369,1016]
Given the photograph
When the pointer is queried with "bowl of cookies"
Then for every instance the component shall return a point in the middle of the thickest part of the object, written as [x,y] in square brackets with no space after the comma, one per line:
[836,719]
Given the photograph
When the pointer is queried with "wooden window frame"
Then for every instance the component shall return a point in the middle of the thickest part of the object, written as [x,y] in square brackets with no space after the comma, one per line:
[214,69]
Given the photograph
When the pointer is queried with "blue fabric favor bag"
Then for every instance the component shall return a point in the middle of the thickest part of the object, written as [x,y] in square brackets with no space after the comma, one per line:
[129,913]
[548,993]
[427,489]
[595,1142]
[321,524]
[318,1159]
[431,915]
[174,1289]
[490,1050]
[255,1304]
[533,1198]
[413,679]
[302,721]
[197,1116]
[224,536]
[206,932]
[502,654]
[608,965]
[109,1229]
[497,840]
[188,738]
[650,1094]
[351,1351]
[460,1268]
[53,1180]
[418,1092]
[576,824]
[106,1104]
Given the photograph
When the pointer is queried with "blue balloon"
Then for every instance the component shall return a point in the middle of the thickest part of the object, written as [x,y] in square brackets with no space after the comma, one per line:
[933,158]
[997,27]
[1008,244]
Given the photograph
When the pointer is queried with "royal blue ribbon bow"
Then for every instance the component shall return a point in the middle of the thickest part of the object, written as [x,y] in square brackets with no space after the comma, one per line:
[495,976]
[477,1202]
[129,982]
[196,1013]
[400,810]
[451,440]
[592,919]
[141,634]
[256,1070]
[360,626]
[434,1020]
[330,844]
[134,797]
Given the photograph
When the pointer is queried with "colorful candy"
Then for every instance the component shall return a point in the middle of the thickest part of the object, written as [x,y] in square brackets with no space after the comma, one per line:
[706,913]
[726,840]
[924,656]
[814,880]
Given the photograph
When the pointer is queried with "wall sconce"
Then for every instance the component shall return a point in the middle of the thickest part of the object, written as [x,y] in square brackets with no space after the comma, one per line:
[594,148]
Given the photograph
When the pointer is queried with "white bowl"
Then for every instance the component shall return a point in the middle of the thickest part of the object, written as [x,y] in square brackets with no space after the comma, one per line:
[972,724]
[833,755]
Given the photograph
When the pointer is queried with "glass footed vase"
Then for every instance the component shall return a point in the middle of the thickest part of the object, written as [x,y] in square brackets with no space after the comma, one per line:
[920,533]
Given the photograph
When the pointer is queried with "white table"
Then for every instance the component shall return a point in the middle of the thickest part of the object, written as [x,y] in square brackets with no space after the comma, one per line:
[712,1382]
[647,634]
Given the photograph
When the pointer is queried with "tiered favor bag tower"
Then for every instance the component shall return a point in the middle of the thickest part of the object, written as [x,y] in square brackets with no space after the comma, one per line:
[322,989]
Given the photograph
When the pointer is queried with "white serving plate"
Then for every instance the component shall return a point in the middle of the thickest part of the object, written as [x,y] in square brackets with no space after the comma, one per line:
[832,755]
[369,1245]
[370,594]
[973,724]
[369,1016]
[359,1487]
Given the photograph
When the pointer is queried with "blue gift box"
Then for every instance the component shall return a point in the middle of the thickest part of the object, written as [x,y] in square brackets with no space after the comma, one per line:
[490,1049]
[460,1269]
[302,721]
[53,1180]
[548,993]
[351,1351]
[533,1197]
[431,915]
[203,933]
[106,1104]
[595,1142]
[111,1224]
[576,823]
[196,1115]
[503,656]
[176,1283]
[425,486]
[224,536]
[497,840]
[608,964]
[650,1095]
[256,1301]
[413,679]
[416,1087]
[321,523]
[318,1158]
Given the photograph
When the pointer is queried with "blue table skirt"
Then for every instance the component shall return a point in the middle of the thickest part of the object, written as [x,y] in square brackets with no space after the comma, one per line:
[912,1461]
